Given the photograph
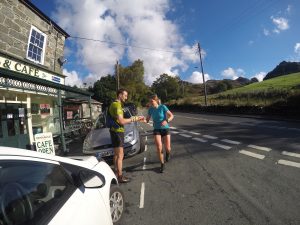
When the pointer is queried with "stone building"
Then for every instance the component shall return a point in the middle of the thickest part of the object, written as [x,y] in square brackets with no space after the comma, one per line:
[32,86]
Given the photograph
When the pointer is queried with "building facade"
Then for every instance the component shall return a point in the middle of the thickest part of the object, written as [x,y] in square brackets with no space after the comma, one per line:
[32,86]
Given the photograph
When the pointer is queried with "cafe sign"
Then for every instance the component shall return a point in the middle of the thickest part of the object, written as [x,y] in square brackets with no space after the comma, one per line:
[29,70]
[44,143]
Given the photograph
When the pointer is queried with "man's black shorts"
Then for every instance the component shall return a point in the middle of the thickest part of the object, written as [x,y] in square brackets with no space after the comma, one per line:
[117,139]
[162,132]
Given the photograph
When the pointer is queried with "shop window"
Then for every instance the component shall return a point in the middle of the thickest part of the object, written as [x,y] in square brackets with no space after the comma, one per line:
[35,108]
[36,46]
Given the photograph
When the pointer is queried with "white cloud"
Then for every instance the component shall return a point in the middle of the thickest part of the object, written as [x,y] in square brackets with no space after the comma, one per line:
[288,9]
[260,76]
[196,77]
[137,22]
[233,74]
[72,78]
[297,48]
[266,32]
[280,23]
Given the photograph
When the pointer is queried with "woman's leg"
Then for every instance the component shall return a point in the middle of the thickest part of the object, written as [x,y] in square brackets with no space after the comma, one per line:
[159,149]
[167,144]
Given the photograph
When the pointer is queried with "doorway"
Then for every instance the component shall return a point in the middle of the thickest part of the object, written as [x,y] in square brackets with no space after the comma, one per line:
[13,125]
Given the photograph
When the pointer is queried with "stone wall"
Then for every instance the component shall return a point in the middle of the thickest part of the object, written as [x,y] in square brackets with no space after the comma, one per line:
[15,24]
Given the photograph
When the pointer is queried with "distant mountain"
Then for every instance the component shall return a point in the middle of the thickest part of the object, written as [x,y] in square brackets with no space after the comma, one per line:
[243,80]
[284,68]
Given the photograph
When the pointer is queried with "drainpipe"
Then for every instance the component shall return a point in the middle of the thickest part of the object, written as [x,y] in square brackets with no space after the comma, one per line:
[62,136]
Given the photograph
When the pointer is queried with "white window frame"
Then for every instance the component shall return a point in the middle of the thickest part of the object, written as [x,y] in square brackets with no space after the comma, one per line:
[44,45]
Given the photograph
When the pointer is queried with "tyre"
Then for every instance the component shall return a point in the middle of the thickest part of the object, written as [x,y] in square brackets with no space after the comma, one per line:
[142,144]
[117,204]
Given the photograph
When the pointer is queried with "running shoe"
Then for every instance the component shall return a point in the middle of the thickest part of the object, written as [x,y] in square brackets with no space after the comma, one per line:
[123,179]
[162,167]
[168,156]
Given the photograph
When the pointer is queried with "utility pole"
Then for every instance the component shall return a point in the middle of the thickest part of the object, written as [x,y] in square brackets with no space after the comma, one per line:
[117,76]
[204,83]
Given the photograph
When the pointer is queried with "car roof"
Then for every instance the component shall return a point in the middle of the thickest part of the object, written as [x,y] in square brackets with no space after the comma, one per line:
[87,162]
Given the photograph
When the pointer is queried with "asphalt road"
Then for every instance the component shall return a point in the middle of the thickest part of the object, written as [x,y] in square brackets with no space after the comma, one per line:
[223,170]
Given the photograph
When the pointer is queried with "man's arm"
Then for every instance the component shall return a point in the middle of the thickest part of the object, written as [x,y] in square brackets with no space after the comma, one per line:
[123,121]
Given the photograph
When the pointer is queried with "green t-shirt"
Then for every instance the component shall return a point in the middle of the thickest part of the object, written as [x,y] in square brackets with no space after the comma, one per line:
[116,109]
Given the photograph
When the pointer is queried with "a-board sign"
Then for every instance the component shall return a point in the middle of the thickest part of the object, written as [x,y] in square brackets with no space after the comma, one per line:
[44,143]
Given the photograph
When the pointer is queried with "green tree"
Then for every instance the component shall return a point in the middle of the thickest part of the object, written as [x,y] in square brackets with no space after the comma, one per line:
[167,87]
[132,79]
[105,90]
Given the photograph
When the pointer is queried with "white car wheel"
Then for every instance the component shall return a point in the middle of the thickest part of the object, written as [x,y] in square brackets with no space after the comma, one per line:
[116,201]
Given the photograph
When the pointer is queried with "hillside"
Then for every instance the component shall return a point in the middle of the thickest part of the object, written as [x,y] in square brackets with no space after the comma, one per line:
[284,68]
[267,92]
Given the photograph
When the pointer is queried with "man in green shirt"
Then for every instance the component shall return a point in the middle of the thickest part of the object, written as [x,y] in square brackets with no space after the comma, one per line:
[117,132]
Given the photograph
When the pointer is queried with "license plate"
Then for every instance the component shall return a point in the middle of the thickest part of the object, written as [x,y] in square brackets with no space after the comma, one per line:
[105,153]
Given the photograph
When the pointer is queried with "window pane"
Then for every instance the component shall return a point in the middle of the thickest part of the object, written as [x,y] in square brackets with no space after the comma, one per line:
[37,42]
[41,44]
[30,54]
[33,33]
[42,38]
[34,56]
[11,126]
[32,39]
[38,35]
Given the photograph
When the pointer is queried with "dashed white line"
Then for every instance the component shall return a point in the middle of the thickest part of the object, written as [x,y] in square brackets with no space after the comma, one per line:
[146,148]
[142,195]
[258,156]
[173,128]
[174,132]
[221,146]
[288,163]
[184,131]
[199,139]
[192,132]
[260,148]
[185,135]
[231,142]
[210,137]
[144,166]
[291,154]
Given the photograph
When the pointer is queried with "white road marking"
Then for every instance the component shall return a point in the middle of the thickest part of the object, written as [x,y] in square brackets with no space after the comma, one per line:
[144,166]
[173,128]
[291,154]
[231,142]
[221,146]
[288,163]
[146,138]
[199,139]
[142,195]
[192,132]
[184,131]
[260,148]
[185,135]
[174,132]
[210,137]
[146,148]
[252,154]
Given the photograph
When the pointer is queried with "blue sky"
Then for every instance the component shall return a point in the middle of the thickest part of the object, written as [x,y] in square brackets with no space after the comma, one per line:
[238,37]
